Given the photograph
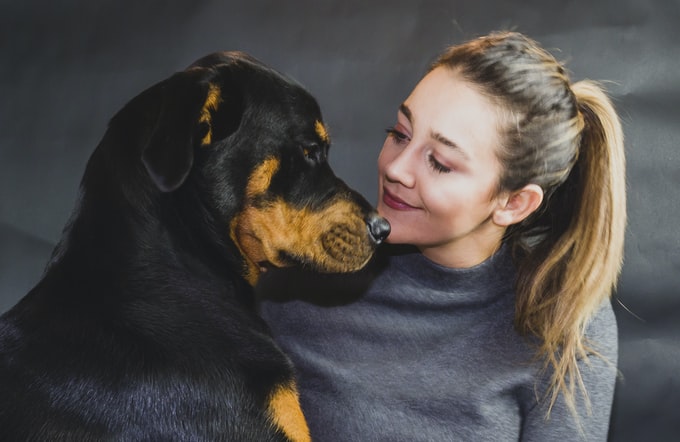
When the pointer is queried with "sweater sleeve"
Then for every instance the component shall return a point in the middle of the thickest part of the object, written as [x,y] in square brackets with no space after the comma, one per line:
[599,378]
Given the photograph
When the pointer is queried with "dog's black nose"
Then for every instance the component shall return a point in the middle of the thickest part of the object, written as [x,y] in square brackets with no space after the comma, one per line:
[378,227]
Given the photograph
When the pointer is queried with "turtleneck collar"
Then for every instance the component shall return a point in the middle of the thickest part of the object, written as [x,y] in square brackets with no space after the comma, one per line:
[430,282]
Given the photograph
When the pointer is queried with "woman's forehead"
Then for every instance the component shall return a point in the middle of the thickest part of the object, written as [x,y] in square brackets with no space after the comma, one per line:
[445,104]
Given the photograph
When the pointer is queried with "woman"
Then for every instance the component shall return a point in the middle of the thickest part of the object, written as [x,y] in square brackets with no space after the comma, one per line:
[508,181]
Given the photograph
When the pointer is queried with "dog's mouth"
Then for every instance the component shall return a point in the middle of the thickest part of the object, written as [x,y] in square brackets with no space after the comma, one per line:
[283,259]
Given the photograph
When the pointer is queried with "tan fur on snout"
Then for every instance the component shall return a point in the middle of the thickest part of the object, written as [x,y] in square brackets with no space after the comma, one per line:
[333,239]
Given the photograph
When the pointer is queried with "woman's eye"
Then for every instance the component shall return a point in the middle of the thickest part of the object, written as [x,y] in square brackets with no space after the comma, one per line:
[436,165]
[397,135]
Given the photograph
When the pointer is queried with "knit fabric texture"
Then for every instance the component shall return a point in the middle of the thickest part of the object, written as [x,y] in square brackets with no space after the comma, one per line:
[409,350]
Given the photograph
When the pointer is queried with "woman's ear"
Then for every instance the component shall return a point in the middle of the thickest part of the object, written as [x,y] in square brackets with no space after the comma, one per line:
[516,206]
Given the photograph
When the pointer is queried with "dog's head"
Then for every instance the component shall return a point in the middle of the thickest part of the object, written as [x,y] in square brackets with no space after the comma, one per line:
[251,145]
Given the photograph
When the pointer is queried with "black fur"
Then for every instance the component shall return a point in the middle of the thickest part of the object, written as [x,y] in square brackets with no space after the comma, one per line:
[143,326]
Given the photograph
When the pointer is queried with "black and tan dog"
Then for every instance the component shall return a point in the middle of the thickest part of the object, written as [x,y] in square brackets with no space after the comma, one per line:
[144,325]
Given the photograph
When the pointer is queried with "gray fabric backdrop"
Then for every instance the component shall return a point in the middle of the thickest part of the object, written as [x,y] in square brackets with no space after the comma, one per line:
[68,65]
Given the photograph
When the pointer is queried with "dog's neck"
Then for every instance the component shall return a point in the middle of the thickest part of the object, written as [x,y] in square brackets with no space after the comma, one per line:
[143,241]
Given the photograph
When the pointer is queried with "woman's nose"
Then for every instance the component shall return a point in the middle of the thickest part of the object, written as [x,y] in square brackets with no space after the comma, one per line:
[400,168]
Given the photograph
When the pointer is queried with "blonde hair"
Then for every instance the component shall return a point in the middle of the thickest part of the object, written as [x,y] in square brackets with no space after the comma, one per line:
[567,138]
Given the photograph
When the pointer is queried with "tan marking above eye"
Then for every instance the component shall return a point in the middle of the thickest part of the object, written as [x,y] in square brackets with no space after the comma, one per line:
[321,131]
[212,101]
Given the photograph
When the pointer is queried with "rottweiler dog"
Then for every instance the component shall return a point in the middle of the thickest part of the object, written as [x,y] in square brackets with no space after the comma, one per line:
[144,326]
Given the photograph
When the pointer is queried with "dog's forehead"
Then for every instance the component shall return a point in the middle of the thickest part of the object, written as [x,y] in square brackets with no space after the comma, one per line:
[242,68]
[266,91]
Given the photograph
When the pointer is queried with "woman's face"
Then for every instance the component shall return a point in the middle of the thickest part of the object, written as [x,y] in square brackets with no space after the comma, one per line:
[438,172]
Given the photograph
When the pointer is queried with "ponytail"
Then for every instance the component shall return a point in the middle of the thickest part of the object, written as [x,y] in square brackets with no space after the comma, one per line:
[564,279]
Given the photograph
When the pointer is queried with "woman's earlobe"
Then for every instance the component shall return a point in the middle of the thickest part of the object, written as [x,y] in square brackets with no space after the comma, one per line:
[518,205]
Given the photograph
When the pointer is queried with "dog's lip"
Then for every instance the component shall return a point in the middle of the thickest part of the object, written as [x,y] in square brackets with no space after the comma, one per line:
[395,202]
[264,266]
[281,260]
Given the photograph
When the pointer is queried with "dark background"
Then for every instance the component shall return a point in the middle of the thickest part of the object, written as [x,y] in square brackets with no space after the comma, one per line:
[67,66]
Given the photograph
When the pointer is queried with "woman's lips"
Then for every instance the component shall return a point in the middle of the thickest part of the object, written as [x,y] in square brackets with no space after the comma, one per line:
[394,202]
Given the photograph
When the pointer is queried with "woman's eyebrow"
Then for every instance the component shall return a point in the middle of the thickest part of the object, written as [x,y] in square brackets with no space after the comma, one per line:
[446,142]
[405,110]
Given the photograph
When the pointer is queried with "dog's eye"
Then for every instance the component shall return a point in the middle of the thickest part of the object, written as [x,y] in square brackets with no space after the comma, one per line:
[313,153]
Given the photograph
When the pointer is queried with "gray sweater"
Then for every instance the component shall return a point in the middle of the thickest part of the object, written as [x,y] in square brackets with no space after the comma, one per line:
[419,352]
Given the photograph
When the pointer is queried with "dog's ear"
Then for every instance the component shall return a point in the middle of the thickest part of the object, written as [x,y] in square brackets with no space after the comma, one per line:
[183,121]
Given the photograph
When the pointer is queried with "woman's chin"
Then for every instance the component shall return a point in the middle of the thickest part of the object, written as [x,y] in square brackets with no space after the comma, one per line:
[397,238]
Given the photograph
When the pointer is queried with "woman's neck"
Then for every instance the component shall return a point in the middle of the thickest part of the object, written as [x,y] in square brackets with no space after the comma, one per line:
[465,254]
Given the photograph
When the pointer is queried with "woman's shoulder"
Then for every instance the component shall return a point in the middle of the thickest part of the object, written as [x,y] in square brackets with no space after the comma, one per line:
[602,331]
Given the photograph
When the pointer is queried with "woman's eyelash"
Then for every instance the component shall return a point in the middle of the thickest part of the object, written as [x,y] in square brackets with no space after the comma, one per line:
[399,136]
[436,165]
